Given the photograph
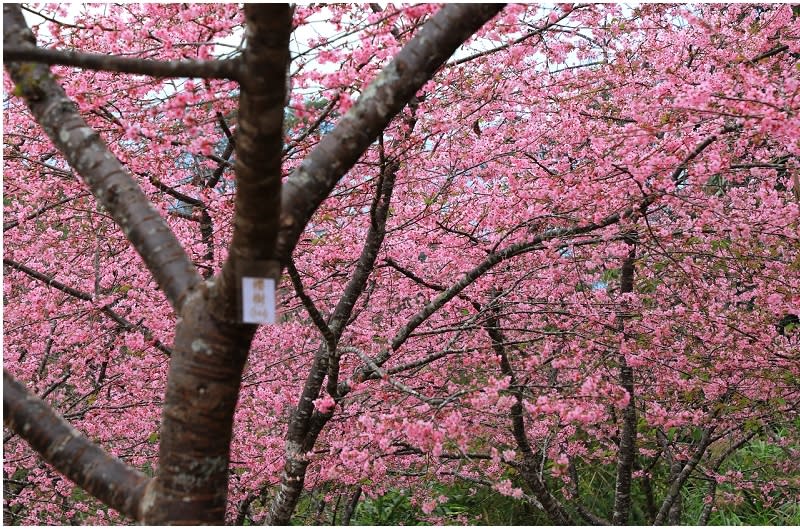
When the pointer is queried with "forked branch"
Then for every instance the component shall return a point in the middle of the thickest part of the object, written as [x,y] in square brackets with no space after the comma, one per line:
[385,96]
[114,188]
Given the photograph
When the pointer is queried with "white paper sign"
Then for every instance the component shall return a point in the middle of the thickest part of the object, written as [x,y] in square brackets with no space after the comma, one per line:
[258,300]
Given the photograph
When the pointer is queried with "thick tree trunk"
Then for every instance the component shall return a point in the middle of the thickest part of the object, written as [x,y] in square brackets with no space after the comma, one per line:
[191,485]
[211,346]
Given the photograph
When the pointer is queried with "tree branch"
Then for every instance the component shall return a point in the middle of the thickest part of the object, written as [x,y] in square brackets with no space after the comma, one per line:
[174,192]
[311,183]
[43,209]
[217,174]
[311,308]
[306,424]
[103,476]
[538,31]
[412,276]
[225,128]
[49,281]
[535,244]
[314,126]
[111,313]
[369,252]
[674,490]
[491,261]
[433,401]
[111,184]
[336,153]
[227,69]
[769,53]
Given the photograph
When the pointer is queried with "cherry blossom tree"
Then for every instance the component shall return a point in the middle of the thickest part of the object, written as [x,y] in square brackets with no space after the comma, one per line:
[524,251]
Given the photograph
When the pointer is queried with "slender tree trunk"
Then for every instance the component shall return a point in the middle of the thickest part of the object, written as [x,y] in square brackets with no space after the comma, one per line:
[679,473]
[531,460]
[350,509]
[397,84]
[675,510]
[627,444]
[708,508]
[304,428]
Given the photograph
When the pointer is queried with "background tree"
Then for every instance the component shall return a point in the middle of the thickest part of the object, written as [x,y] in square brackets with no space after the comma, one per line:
[566,260]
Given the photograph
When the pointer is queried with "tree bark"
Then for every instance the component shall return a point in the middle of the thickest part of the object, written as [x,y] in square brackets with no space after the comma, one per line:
[670,510]
[112,185]
[211,345]
[385,96]
[350,509]
[105,477]
[95,61]
[627,444]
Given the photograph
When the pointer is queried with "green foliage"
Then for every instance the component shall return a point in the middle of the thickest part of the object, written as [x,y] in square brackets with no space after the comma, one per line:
[610,275]
[482,505]
[468,503]
[393,508]
[759,455]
